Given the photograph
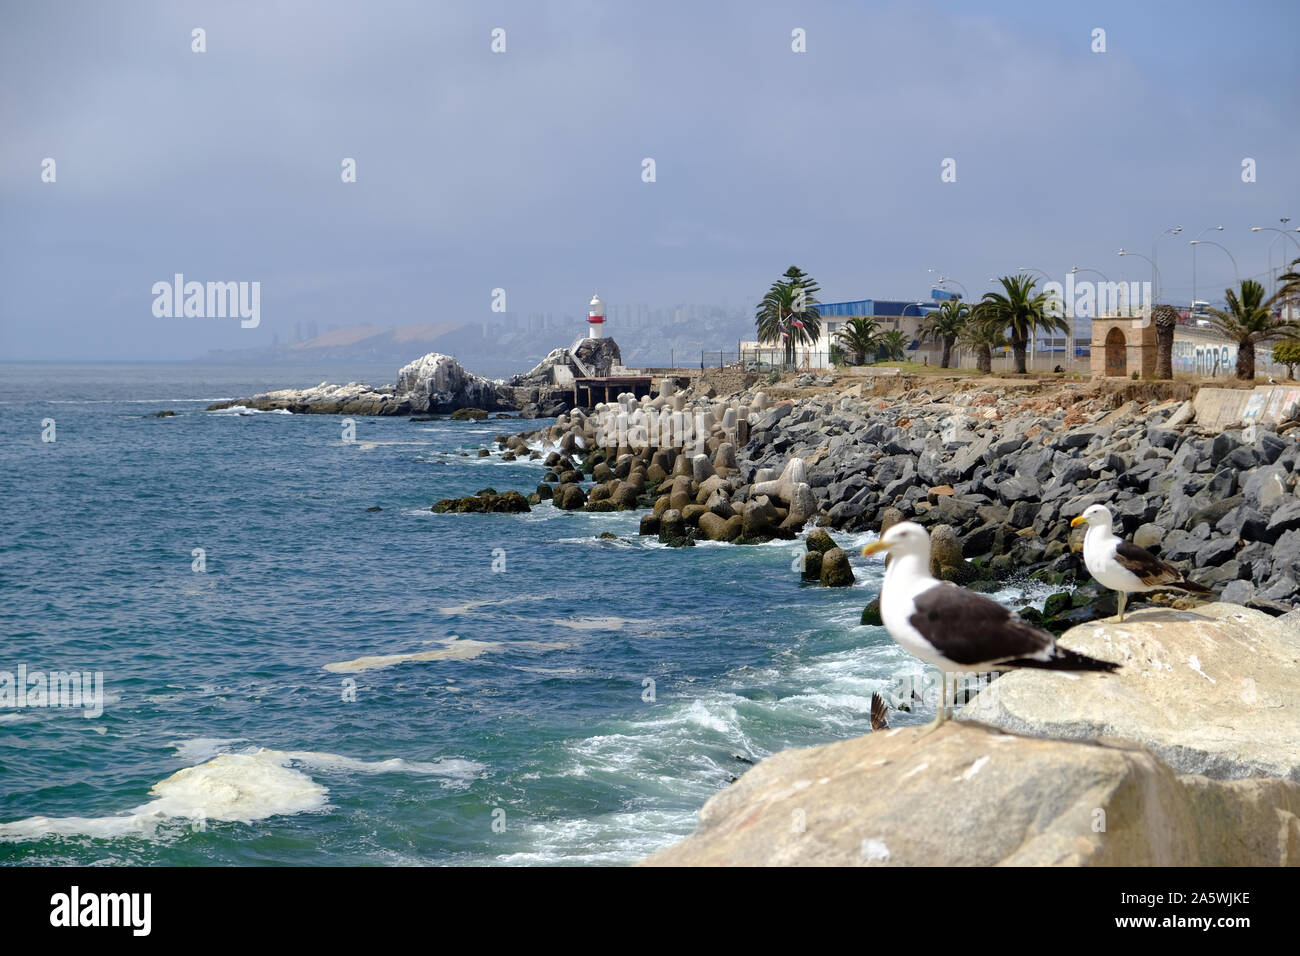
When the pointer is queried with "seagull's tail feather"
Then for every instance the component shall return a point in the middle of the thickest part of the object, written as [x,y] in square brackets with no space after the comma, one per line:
[1064,660]
[1191,586]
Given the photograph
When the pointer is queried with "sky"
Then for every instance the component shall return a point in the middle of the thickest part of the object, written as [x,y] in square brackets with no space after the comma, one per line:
[524,171]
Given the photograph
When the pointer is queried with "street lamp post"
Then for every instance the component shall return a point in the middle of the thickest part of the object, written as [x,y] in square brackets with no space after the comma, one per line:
[945,279]
[1280,232]
[1194,244]
[903,313]
[1208,242]
[1155,276]
[1073,346]
[1154,272]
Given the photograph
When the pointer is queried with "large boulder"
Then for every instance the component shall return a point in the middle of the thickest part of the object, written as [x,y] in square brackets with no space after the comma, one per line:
[674,531]
[836,571]
[1211,691]
[715,528]
[968,795]
[570,496]
[946,561]
[436,383]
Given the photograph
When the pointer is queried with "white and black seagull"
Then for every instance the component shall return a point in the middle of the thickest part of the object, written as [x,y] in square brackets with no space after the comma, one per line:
[1121,565]
[954,629]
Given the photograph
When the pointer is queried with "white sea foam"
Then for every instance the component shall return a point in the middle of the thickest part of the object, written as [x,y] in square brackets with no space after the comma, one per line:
[232,787]
[450,649]
[245,410]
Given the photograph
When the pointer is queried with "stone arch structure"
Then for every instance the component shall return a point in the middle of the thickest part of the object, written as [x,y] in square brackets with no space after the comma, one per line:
[1122,346]
[1116,354]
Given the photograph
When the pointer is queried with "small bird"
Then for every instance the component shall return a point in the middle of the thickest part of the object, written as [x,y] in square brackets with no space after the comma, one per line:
[1121,565]
[954,629]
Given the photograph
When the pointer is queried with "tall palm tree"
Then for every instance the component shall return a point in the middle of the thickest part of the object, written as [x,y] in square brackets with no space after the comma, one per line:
[894,342]
[1248,320]
[945,325]
[983,333]
[1165,318]
[860,335]
[788,313]
[1020,310]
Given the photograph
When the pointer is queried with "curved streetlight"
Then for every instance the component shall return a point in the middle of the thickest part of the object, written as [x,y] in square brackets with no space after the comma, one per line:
[943,279]
[1208,242]
[1280,232]
[1155,279]
[1154,271]
[1195,242]
[1074,271]
[903,314]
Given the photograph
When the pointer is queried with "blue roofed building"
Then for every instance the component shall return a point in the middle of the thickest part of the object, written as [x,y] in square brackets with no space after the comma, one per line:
[907,315]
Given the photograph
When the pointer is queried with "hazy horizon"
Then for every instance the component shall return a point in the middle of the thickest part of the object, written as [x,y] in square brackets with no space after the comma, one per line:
[522,170]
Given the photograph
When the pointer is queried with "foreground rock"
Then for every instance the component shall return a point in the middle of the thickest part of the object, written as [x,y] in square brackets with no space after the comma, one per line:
[1213,691]
[968,795]
[1185,757]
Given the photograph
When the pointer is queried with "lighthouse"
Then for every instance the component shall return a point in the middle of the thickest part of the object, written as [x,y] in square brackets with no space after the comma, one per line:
[596,318]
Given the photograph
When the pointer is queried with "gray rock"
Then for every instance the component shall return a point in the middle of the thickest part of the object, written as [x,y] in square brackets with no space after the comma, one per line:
[1264,488]
[1285,518]
[1237,592]
[1150,537]
[1215,551]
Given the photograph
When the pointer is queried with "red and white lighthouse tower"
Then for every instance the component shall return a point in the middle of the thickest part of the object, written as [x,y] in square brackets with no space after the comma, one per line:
[596,318]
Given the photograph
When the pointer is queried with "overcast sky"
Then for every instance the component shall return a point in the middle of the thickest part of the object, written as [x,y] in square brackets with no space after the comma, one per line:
[522,170]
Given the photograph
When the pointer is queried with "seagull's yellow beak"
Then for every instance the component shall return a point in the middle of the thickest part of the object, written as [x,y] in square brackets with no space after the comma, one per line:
[875,547]
[1075,522]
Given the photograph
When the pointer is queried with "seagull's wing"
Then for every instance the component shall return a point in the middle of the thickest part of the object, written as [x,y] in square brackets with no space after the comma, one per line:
[968,628]
[878,712]
[1149,569]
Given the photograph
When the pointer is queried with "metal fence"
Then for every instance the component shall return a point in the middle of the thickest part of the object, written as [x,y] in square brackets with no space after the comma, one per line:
[754,359]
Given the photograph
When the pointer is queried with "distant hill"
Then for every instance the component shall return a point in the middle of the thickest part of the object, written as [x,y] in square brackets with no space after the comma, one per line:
[508,346]
[370,343]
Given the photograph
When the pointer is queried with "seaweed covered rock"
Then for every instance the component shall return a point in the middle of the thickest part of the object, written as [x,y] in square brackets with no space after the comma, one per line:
[486,501]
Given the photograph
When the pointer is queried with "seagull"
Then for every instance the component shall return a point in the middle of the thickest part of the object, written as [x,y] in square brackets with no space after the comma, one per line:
[1121,565]
[954,629]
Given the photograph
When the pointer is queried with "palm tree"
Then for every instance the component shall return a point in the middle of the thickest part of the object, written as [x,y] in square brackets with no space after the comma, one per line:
[945,325]
[1021,310]
[983,334]
[788,313]
[894,342]
[1165,318]
[859,336]
[1248,320]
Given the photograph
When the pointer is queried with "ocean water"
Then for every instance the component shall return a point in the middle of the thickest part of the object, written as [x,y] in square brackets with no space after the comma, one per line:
[541,695]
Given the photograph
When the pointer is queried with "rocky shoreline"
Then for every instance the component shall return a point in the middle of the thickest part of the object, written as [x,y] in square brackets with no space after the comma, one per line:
[995,475]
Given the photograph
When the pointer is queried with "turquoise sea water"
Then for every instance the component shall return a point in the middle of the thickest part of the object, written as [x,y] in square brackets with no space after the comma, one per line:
[589,697]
